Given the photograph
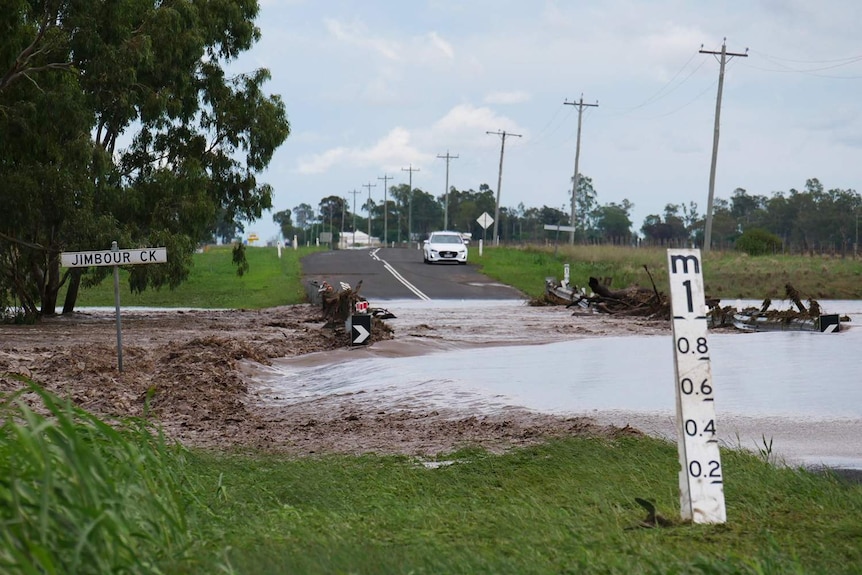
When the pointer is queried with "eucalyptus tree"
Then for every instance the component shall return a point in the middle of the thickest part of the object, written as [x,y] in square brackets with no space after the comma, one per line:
[585,203]
[613,221]
[304,216]
[161,147]
[285,223]
[332,210]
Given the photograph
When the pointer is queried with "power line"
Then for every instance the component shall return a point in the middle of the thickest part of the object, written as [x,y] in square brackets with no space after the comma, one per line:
[503,135]
[447,157]
[707,236]
[666,89]
[581,105]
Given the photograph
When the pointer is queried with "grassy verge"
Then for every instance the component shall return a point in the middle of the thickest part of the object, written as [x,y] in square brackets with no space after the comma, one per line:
[273,281]
[81,497]
[563,507]
[725,274]
[213,283]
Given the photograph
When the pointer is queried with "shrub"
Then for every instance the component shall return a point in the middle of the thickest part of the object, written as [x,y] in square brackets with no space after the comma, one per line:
[758,242]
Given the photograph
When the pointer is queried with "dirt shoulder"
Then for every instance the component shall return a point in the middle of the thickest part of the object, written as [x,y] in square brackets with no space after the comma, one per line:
[191,371]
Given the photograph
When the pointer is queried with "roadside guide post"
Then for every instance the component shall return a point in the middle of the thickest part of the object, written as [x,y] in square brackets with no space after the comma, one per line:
[360,324]
[115,257]
[485,220]
[701,479]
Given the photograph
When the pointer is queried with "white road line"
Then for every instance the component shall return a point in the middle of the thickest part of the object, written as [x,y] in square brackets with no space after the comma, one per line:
[399,277]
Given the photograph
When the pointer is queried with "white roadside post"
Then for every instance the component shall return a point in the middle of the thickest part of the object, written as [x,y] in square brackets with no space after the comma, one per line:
[485,220]
[701,479]
[115,257]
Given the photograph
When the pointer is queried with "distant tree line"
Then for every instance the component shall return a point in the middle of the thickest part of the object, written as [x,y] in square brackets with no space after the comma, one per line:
[812,220]
[809,221]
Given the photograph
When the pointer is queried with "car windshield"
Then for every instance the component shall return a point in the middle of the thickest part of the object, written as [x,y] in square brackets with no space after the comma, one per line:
[446,239]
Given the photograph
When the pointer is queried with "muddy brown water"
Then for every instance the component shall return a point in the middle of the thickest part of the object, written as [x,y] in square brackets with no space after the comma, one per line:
[799,395]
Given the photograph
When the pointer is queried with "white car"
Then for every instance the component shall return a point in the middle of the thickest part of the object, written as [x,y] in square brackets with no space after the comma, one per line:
[445,247]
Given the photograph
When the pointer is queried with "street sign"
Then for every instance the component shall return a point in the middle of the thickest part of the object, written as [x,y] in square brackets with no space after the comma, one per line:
[485,220]
[559,228]
[360,329]
[114,258]
[701,477]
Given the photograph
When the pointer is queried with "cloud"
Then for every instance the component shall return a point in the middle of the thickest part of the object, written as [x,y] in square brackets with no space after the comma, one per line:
[440,45]
[468,124]
[320,163]
[391,152]
[357,34]
[513,97]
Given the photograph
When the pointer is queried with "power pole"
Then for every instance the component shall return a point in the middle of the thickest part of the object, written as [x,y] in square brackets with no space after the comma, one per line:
[581,105]
[354,215]
[707,234]
[369,185]
[385,179]
[411,169]
[343,215]
[447,157]
[503,135]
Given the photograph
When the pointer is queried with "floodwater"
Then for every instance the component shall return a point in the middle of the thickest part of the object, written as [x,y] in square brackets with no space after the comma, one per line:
[795,394]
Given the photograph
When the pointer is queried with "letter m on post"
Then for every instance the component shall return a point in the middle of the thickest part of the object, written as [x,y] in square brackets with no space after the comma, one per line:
[683,261]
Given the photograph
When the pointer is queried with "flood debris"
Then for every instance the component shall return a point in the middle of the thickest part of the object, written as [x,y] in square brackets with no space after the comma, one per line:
[803,318]
[337,305]
[633,300]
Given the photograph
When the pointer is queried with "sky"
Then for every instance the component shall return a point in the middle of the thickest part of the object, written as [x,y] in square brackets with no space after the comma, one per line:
[375,87]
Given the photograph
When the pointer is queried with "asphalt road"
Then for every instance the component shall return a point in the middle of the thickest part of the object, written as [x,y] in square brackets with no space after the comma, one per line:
[400,273]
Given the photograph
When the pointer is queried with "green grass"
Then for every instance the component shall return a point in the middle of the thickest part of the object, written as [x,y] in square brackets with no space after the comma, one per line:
[563,507]
[725,274]
[78,496]
[213,283]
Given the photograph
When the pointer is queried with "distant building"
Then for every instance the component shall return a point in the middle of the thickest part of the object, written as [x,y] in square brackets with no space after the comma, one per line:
[357,240]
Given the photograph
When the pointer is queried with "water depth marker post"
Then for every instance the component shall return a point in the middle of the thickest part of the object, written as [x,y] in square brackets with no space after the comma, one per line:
[701,480]
[115,257]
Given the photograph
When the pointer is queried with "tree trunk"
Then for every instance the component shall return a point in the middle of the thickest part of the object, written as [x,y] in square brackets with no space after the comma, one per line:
[72,290]
[52,285]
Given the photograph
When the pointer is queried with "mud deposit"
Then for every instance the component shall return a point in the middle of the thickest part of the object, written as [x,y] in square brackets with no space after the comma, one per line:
[191,372]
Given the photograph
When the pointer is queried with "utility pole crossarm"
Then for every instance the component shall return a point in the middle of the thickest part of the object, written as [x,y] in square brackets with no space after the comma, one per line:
[575,179]
[502,135]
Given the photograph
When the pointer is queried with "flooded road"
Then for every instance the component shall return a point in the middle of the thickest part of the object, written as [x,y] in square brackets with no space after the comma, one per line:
[799,392]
